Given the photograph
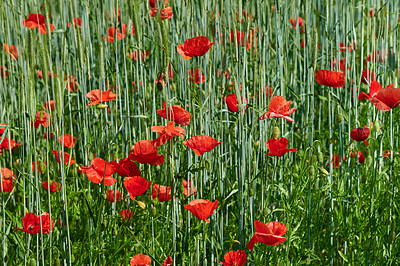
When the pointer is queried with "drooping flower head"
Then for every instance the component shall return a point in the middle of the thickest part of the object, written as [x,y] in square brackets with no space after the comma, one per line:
[196,46]
[232,103]
[270,234]
[279,108]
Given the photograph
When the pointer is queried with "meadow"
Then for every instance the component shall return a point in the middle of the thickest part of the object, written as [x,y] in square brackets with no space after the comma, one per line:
[175,132]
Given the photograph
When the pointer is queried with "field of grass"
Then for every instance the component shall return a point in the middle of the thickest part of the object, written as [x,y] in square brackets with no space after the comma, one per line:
[101,81]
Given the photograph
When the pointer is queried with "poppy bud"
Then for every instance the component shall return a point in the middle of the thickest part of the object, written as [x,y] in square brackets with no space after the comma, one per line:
[311,171]
[324,171]
[159,86]
[276,132]
[320,157]
[115,232]
[132,149]
[178,176]
[314,159]
[32,262]
[251,192]
[101,106]
[153,212]
[256,143]
[16,162]
[91,157]
[340,118]
[368,161]
[42,167]
[236,242]
[141,204]
[207,164]
[154,202]
[377,126]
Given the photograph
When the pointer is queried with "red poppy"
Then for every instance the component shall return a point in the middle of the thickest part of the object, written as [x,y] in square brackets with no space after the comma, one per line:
[7,177]
[232,103]
[4,72]
[126,214]
[234,258]
[168,261]
[8,144]
[67,140]
[360,134]
[196,46]
[163,193]
[35,224]
[296,22]
[279,108]
[278,147]
[77,23]
[40,74]
[126,167]
[54,187]
[63,156]
[145,152]
[12,50]
[202,208]
[113,195]
[139,55]
[42,118]
[330,78]
[120,35]
[270,234]
[98,170]
[239,37]
[197,77]
[165,13]
[37,20]
[2,128]
[136,185]
[49,105]
[386,154]
[268,91]
[36,166]
[167,133]
[71,83]
[383,99]
[377,56]
[201,144]
[188,188]
[341,64]
[367,76]
[336,160]
[179,115]
[98,96]
[352,46]
[359,154]
[140,260]
[45,135]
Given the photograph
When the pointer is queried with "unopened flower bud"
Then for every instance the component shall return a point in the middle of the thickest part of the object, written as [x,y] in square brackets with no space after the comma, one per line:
[320,157]
[311,171]
[101,106]
[340,118]
[276,132]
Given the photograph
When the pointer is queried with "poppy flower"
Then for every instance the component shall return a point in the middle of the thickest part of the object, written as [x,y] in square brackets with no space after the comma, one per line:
[202,208]
[64,156]
[36,166]
[341,64]
[165,13]
[49,105]
[196,46]
[330,78]
[168,261]
[35,224]
[71,83]
[37,20]
[98,96]
[234,258]
[99,170]
[146,152]
[367,76]
[2,128]
[201,144]
[140,260]
[351,46]
[188,188]
[126,214]
[232,103]
[239,40]
[163,193]
[383,99]
[296,22]
[268,91]
[11,50]
[40,74]
[4,72]
[8,144]
[197,77]
[77,23]
[50,135]
[138,55]
[270,234]
[278,147]
[42,118]
[337,161]
[113,195]
[359,154]
[67,140]
[360,134]
[178,114]
[120,35]
[167,133]
[136,185]
[386,154]
[54,187]
[126,167]
[279,108]
[7,177]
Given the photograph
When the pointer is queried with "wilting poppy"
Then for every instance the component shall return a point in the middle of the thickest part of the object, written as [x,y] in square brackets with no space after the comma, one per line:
[165,13]
[383,99]
[64,156]
[234,258]
[196,46]
[37,20]
[278,147]
[113,195]
[202,208]
[136,185]
[146,152]
[163,193]
[11,50]
[201,144]
[7,177]
[360,134]
[367,76]
[2,128]
[196,76]
[232,103]
[140,260]
[49,105]
[42,118]
[35,224]
[168,261]
[330,78]
[359,154]
[67,140]
[296,22]
[98,96]
[54,187]
[8,144]
[178,114]
[279,108]
[4,72]
[270,234]
[188,188]
[98,170]
[126,167]
[167,133]
[126,214]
